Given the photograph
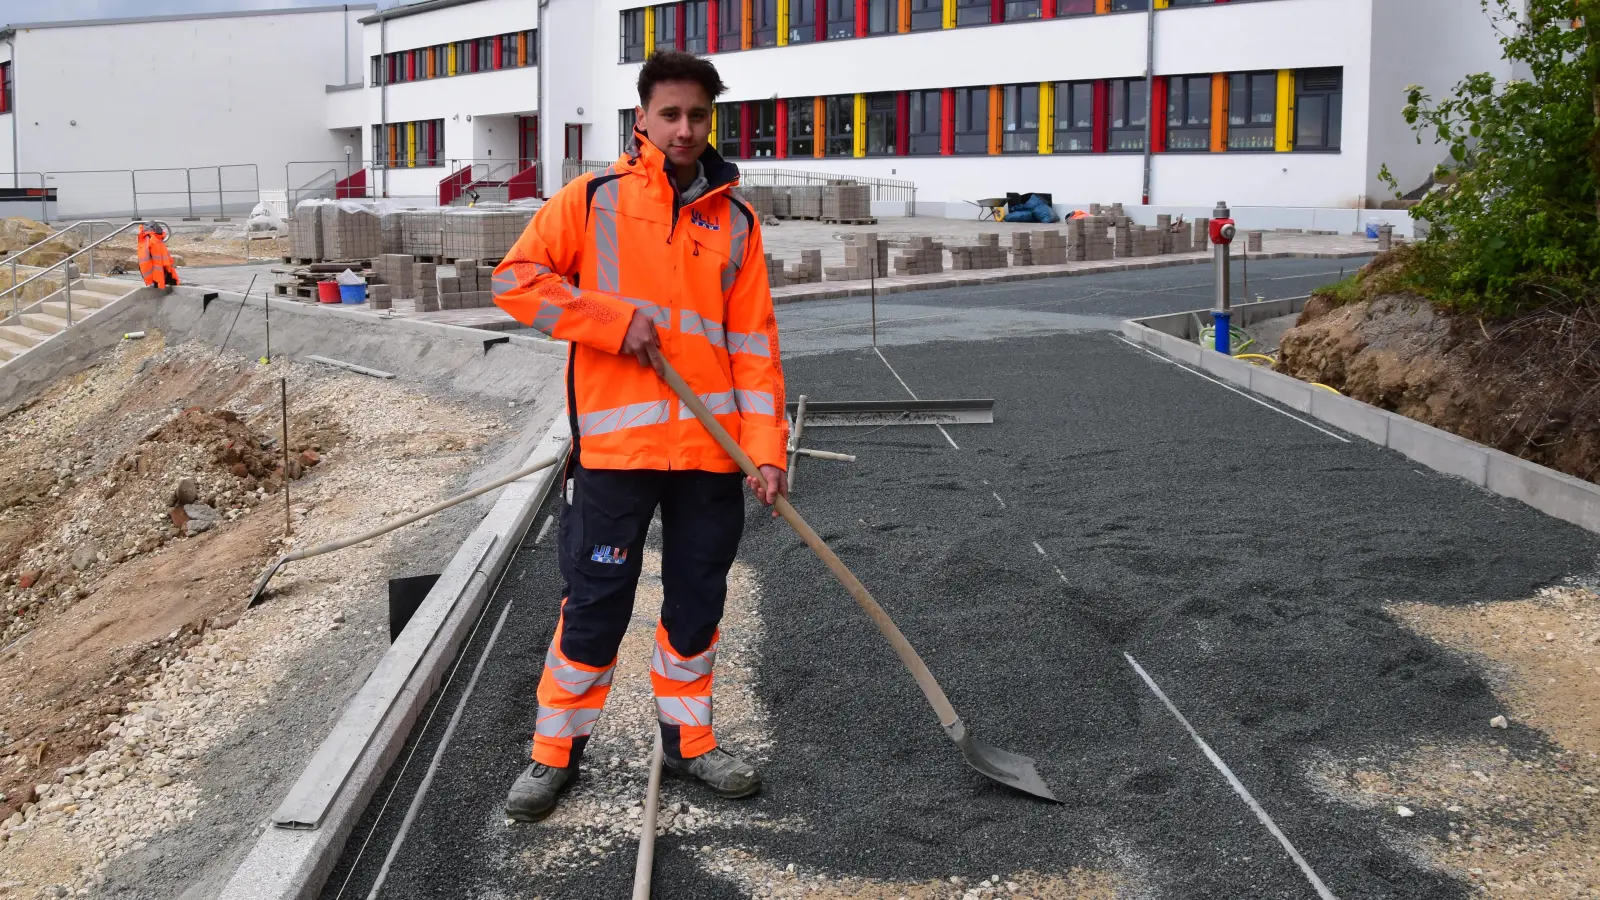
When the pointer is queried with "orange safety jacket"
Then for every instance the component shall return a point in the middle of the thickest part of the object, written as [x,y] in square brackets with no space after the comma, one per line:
[155,263]
[617,241]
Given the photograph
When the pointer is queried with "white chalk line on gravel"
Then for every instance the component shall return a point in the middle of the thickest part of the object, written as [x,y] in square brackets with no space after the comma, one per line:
[913,395]
[1250,397]
[1238,788]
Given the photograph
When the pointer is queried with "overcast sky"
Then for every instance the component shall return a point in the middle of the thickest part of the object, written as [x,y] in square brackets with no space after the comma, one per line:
[57,10]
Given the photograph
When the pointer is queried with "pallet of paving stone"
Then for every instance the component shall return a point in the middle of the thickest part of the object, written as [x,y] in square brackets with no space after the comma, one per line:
[831,221]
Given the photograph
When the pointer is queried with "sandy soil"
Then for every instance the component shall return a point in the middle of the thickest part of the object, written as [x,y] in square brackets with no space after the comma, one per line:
[1509,822]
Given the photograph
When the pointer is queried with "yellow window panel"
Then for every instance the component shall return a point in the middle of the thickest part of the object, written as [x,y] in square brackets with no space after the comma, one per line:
[1285,141]
[649,31]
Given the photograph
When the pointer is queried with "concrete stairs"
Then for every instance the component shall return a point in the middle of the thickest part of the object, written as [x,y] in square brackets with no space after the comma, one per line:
[49,318]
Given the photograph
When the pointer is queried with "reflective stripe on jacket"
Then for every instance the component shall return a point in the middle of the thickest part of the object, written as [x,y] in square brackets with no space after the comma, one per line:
[611,243]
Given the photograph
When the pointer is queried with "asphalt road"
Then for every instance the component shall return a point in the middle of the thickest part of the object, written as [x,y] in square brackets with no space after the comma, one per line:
[1120,509]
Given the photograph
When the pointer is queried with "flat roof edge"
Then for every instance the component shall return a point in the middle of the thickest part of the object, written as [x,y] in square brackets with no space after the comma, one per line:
[179,17]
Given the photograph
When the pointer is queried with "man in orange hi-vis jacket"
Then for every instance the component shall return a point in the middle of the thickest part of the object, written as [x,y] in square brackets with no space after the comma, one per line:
[155,263]
[655,254]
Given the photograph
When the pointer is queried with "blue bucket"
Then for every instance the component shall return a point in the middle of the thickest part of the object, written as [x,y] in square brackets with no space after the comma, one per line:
[352,293]
[1372,229]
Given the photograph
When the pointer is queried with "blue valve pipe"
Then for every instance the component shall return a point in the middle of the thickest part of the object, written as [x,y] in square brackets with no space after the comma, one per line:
[1222,317]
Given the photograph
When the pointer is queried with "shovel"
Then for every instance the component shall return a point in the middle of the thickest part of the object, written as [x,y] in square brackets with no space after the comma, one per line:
[1010,769]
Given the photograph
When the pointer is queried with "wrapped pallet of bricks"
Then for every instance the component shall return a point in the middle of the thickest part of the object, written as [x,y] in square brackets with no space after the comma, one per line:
[759,196]
[393,228]
[780,202]
[351,231]
[420,232]
[305,231]
[483,234]
[805,202]
[846,203]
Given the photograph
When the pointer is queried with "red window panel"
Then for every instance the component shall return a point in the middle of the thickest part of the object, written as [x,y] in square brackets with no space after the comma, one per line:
[499,58]
[1102,116]
[713,26]
[997,11]
[1049,9]
[746,127]
[1158,115]
[902,124]
[863,12]
[411,67]
[947,124]
[781,110]
[683,31]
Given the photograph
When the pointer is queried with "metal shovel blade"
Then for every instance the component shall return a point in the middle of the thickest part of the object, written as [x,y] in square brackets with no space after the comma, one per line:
[1010,769]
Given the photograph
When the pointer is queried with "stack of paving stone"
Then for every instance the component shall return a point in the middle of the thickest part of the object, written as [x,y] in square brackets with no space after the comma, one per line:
[759,196]
[350,232]
[305,231]
[923,256]
[470,288]
[381,296]
[864,257]
[482,234]
[780,203]
[1137,240]
[776,276]
[846,202]
[1022,249]
[1049,248]
[397,270]
[419,233]
[986,254]
[805,202]
[1253,241]
[1202,235]
[1088,239]
[424,280]
[809,271]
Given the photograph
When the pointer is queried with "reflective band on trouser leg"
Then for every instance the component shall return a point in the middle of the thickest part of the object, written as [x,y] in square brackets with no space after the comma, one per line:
[683,697]
[571,696]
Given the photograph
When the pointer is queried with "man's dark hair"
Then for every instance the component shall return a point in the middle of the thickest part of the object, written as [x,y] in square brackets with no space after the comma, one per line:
[675,65]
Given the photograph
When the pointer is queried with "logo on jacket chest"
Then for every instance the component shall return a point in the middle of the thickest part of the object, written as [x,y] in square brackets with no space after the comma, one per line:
[695,218]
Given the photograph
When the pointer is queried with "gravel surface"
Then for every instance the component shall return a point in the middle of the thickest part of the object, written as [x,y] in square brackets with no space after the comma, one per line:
[1119,505]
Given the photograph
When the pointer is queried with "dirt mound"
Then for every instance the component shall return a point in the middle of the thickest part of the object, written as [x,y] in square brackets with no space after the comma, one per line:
[1529,386]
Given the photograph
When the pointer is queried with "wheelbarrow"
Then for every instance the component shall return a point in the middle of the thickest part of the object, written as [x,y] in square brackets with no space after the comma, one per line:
[991,209]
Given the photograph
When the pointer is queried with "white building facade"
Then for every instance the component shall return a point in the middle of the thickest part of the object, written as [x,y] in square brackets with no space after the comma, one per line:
[168,114]
[1270,103]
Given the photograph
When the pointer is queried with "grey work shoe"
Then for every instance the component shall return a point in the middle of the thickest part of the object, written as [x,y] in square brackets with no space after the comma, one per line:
[726,774]
[534,793]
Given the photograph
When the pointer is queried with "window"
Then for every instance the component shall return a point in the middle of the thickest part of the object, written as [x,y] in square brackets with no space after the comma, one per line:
[5,88]
[667,26]
[1127,5]
[1130,111]
[1189,112]
[377,71]
[625,120]
[404,145]
[1191,2]
[802,137]
[1074,8]
[730,24]
[802,21]
[531,39]
[764,23]
[633,35]
[927,15]
[1074,117]
[841,19]
[763,128]
[883,124]
[841,125]
[883,16]
[508,51]
[483,49]
[1019,120]
[728,131]
[417,66]
[1017,10]
[694,26]
[926,110]
[972,120]
[973,12]
[1318,109]
[1253,111]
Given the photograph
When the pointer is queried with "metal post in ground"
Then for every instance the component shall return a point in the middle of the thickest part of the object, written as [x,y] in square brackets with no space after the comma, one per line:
[222,212]
[874,297]
[67,271]
[283,393]
[188,187]
[134,175]
[1222,232]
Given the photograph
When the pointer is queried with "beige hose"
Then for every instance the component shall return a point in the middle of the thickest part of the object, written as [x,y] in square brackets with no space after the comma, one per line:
[387,527]
[647,827]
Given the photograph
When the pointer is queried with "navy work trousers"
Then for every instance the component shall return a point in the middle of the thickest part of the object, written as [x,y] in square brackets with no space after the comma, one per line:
[603,526]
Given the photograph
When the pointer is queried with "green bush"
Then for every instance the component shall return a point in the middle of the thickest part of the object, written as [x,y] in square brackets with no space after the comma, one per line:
[1518,223]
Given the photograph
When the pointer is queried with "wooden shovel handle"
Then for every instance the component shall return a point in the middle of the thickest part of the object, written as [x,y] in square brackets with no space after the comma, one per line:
[902,647]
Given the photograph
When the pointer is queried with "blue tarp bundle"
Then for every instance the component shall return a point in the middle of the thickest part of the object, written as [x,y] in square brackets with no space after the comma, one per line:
[1033,209]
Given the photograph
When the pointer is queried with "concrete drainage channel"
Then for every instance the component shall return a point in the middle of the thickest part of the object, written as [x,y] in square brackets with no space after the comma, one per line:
[1553,493]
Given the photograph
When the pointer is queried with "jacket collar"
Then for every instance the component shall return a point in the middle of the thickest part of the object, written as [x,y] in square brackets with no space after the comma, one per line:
[647,159]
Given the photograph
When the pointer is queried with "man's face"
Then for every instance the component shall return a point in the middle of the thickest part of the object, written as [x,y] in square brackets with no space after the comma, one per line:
[678,120]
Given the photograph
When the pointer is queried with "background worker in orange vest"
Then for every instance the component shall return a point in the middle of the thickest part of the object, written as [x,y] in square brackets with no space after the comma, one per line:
[155,263]
[656,254]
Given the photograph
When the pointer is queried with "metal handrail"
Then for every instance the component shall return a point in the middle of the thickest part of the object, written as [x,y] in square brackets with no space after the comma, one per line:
[12,259]
[15,288]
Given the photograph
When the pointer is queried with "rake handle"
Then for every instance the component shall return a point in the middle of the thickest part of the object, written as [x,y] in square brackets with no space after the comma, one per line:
[891,632]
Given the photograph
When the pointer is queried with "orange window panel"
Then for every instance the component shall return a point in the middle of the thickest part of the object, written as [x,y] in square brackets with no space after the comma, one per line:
[1219,113]
[996,98]
[819,127]
[905,16]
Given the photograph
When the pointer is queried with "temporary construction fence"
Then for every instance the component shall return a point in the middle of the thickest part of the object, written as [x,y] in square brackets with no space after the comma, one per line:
[192,193]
